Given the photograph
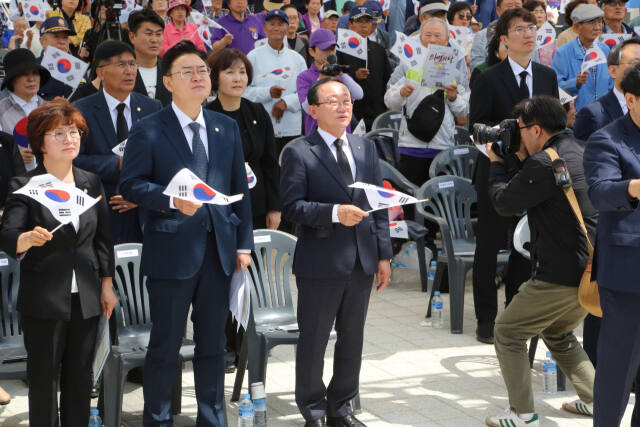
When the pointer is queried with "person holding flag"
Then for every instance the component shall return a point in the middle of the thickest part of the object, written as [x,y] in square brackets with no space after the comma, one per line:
[572,62]
[275,68]
[340,247]
[66,268]
[23,77]
[54,32]
[239,30]
[371,72]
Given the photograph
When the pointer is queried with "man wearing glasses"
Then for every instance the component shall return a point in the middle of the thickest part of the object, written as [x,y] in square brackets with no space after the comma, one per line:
[110,113]
[340,248]
[492,100]
[190,249]
[567,62]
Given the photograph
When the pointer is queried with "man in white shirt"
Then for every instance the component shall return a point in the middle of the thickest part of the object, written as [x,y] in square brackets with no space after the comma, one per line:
[110,114]
[145,33]
[611,106]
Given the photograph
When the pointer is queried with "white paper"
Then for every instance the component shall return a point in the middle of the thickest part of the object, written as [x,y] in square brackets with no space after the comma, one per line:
[118,150]
[399,229]
[262,239]
[187,186]
[102,348]
[64,201]
[361,129]
[251,177]
[64,67]
[440,69]
[127,253]
[383,198]
[240,298]
[351,43]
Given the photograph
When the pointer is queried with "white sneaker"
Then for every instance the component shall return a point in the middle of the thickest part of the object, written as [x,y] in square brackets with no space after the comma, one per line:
[578,407]
[511,419]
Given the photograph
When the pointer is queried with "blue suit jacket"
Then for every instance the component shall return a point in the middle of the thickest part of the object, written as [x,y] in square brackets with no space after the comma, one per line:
[175,244]
[95,152]
[597,115]
[611,160]
[310,184]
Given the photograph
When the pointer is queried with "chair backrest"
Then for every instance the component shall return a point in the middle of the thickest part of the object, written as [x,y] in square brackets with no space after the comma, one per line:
[450,197]
[387,120]
[386,141]
[458,161]
[399,181]
[270,272]
[9,284]
[462,136]
[284,148]
[130,285]
[522,236]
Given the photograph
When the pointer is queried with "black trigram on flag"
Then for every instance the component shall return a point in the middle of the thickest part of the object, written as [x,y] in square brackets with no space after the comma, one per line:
[33,192]
[79,200]
[403,200]
[182,191]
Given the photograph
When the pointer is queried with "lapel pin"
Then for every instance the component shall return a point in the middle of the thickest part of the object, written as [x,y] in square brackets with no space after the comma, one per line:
[216,129]
[86,191]
[138,109]
[255,123]
[358,147]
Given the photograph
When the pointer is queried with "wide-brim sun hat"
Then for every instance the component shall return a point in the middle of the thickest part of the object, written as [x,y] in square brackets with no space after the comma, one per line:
[18,61]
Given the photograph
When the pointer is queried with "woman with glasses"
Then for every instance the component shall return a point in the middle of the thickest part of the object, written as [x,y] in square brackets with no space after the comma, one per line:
[65,276]
[460,15]
[545,50]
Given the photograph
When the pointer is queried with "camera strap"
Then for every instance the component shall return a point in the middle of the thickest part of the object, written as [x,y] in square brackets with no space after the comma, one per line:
[573,202]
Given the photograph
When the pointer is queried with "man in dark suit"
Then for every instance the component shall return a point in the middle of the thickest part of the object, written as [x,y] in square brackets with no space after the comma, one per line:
[190,249]
[612,168]
[145,33]
[110,113]
[11,164]
[340,247]
[493,97]
[611,106]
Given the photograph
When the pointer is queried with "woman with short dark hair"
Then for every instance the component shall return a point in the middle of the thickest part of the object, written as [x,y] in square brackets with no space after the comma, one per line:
[65,277]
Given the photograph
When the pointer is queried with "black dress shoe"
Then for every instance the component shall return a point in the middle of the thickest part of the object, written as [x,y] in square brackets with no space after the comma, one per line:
[346,421]
[315,423]
[484,333]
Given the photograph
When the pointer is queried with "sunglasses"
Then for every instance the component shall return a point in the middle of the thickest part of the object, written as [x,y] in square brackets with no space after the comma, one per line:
[465,16]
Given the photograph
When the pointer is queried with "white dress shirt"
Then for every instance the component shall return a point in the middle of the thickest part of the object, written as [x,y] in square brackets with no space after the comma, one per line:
[27,106]
[623,102]
[75,221]
[517,69]
[346,149]
[112,104]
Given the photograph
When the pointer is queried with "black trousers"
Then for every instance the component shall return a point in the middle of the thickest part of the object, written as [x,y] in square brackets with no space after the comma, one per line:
[415,169]
[616,366]
[320,303]
[494,232]
[65,350]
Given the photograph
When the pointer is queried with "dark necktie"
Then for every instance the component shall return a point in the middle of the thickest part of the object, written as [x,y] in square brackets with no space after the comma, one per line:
[200,162]
[524,89]
[122,129]
[343,163]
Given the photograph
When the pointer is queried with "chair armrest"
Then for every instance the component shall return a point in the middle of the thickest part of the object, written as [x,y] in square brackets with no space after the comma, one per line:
[398,179]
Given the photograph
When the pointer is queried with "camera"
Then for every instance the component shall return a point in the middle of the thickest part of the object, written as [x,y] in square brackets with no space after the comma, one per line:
[505,137]
[332,68]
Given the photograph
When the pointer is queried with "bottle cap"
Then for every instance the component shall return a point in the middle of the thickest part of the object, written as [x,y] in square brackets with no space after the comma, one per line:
[257,391]
[94,412]
[548,354]
[246,396]
[436,293]
[434,262]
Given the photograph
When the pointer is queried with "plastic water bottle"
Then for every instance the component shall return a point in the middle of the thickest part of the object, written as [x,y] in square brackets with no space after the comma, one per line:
[245,411]
[549,375]
[94,418]
[431,273]
[437,311]
[259,405]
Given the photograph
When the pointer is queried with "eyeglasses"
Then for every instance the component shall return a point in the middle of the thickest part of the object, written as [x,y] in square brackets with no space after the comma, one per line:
[122,64]
[189,73]
[632,63]
[61,134]
[520,30]
[527,126]
[334,103]
[615,3]
[465,16]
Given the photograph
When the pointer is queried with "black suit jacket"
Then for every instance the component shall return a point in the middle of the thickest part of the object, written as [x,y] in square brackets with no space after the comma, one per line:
[162,94]
[597,115]
[46,271]
[11,164]
[260,152]
[495,92]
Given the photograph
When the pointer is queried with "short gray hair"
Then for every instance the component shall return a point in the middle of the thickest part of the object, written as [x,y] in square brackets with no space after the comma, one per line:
[442,22]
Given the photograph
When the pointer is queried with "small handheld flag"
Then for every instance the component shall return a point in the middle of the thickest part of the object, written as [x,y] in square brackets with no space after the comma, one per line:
[399,229]
[187,186]
[409,50]
[613,39]
[383,198]
[64,67]
[592,58]
[119,149]
[361,129]
[351,43]
[546,34]
[251,177]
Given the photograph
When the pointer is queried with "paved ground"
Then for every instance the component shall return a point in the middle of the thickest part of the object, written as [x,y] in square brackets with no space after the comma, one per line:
[412,375]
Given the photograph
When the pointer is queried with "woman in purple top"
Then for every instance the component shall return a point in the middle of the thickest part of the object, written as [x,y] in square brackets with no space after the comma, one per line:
[312,18]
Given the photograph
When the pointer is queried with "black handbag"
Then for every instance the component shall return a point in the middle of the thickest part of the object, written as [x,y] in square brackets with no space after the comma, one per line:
[427,118]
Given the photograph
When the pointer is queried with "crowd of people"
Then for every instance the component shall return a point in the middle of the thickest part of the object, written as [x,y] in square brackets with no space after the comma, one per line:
[268,87]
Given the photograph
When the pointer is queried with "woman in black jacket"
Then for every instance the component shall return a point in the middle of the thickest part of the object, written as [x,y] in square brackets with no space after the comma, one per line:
[65,277]
[231,73]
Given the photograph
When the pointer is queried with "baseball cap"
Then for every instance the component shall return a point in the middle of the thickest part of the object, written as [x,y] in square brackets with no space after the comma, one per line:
[359,12]
[375,8]
[322,38]
[585,13]
[176,3]
[277,13]
[348,5]
[431,6]
[55,24]
[330,13]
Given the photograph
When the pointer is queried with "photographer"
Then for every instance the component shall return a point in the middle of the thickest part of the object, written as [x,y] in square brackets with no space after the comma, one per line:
[547,304]
[105,26]
[322,44]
